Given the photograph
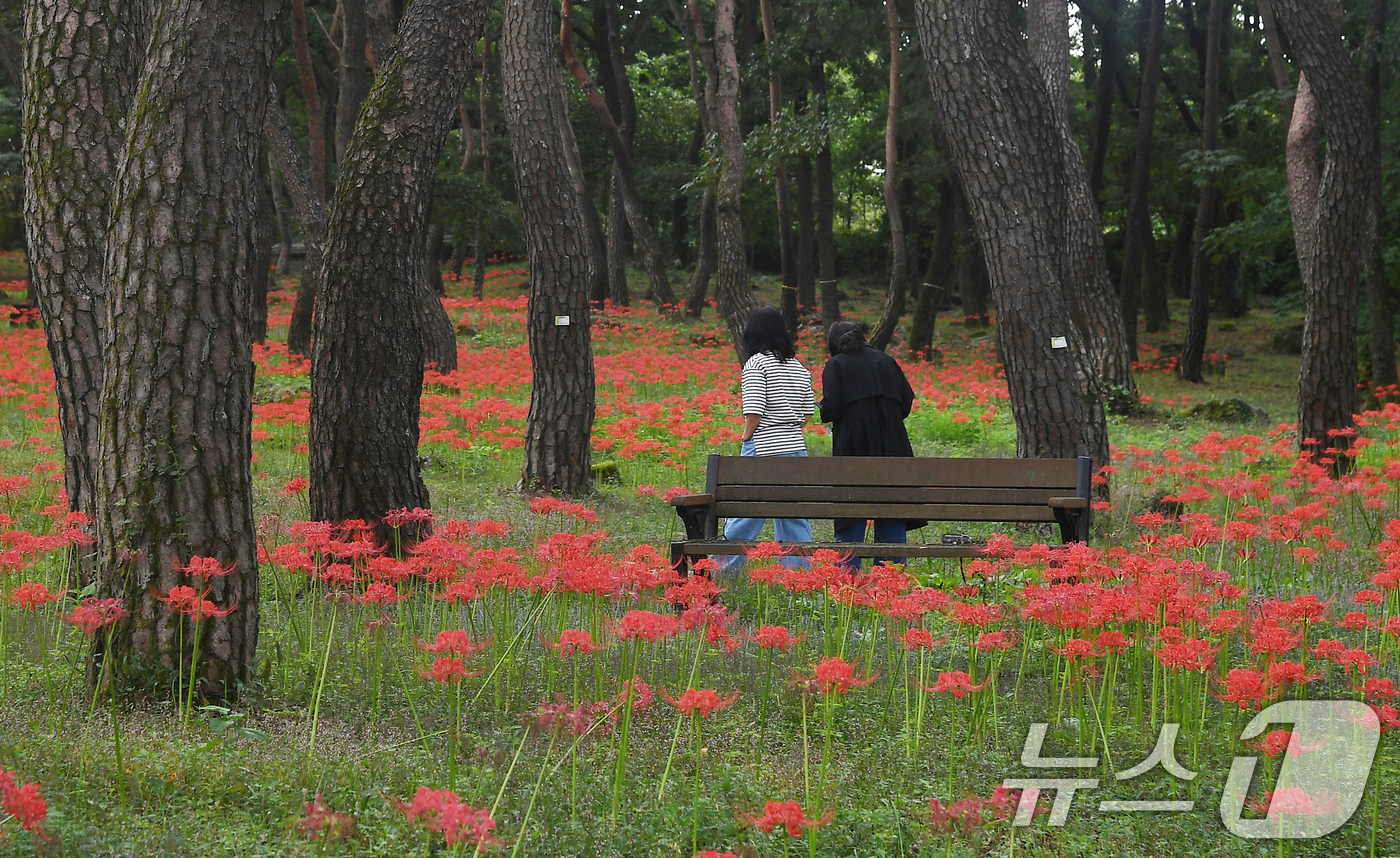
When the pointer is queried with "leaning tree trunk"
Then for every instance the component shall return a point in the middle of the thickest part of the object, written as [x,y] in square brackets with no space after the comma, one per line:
[1330,223]
[705,257]
[562,257]
[736,301]
[1190,365]
[624,172]
[79,68]
[352,75]
[899,264]
[176,412]
[367,358]
[1084,266]
[1006,145]
[311,211]
[1138,229]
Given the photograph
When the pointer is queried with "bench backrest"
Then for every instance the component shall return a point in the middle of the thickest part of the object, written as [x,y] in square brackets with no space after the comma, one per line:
[1004,490]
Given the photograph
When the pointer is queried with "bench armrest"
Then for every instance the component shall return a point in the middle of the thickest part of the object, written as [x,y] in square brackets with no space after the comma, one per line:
[1069,503]
[692,500]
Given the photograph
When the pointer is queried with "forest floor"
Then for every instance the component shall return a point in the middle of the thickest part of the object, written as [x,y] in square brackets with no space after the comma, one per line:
[326,753]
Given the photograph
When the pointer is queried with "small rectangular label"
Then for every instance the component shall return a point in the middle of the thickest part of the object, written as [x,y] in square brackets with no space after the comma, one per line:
[561,321]
[1059,343]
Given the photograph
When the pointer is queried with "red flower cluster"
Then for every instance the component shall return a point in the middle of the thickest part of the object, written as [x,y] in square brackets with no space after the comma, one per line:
[441,811]
[700,701]
[784,814]
[23,802]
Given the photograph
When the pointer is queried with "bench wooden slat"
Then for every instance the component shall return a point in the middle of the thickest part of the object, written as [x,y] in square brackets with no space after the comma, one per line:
[887,494]
[929,512]
[723,547]
[923,473]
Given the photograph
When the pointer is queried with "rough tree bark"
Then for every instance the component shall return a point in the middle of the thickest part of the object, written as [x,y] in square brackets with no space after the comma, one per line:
[1084,265]
[311,211]
[941,266]
[79,68]
[993,108]
[704,92]
[786,253]
[1189,366]
[175,443]
[260,265]
[562,258]
[899,263]
[1138,229]
[624,172]
[1337,217]
[1106,15]
[284,221]
[367,358]
[736,300]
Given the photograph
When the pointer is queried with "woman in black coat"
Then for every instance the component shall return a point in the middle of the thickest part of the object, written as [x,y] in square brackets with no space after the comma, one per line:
[865,398]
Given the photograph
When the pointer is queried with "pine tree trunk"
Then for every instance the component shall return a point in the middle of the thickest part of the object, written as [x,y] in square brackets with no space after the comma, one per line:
[367,360]
[1138,229]
[826,207]
[786,253]
[353,74]
[899,264]
[260,266]
[736,300]
[1378,290]
[1155,313]
[1329,223]
[284,221]
[1110,56]
[311,211]
[311,96]
[1190,365]
[1084,265]
[942,264]
[79,71]
[562,260]
[176,409]
[1006,144]
[705,264]
[806,236]
[617,243]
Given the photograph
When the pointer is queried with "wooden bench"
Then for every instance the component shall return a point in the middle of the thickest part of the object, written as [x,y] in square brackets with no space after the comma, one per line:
[961,490]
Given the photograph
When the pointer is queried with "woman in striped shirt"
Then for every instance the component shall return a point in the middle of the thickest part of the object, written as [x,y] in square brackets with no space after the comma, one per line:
[778,402]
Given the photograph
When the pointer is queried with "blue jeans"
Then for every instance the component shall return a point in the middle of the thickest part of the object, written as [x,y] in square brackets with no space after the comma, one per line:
[785,530]
[886,530]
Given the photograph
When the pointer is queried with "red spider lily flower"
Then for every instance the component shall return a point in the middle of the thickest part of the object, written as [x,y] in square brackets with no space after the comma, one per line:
[917,639]
[448,670]
[206,568]
[955,682]
[181,599]
[1245,687]
[1273,640]
[321,822]
[295,486]
[572,641]
[784,814]
[575,721]
[835,675]
[1369,597]
[976,614]
[971,813]
[1112,642]
[1076,649]
[1377,688]
[1328,648]
[1190,654]
[641,693]
[1389,717]
[94,614]
[1290,672]
[1307,608]
[456,641]
[1277,742]
[695,590]
[379,593]
[701,700]
[766,551]
[400,517]
[24,802]
[646,625]
[775,637]
[31,594]
[1224,622]
[440,810]
[1355,621]
[204,609]
[713,853]
[1357,658]
[1292,801]
[339,575]
[988,641]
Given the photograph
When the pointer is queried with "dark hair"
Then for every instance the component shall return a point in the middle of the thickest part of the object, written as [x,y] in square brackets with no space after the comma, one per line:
[766,331]
[844,337]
